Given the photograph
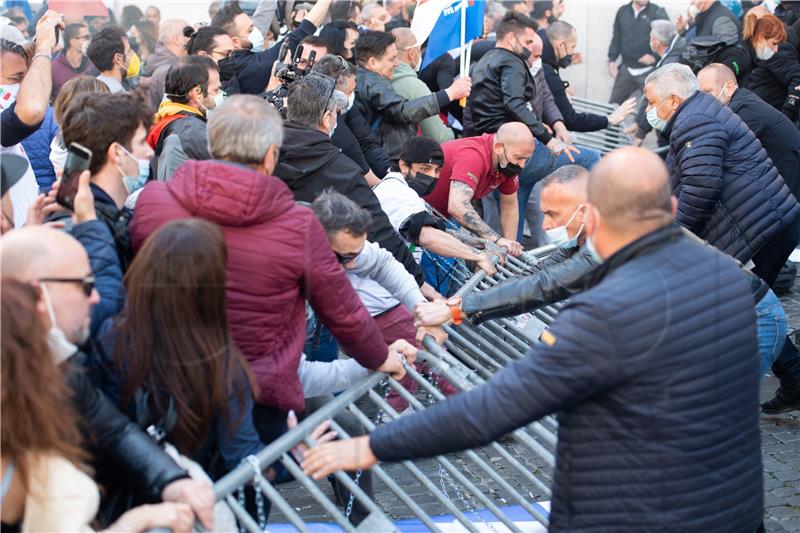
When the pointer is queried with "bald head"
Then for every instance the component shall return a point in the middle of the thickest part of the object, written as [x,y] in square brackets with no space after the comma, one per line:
[631,191]
[514,134]
[536,47]
[404,38]
[35,252]
[719,81]
[171,35]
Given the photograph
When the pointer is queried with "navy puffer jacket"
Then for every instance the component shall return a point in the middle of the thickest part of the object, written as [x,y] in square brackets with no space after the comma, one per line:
[654,375]
[729,192]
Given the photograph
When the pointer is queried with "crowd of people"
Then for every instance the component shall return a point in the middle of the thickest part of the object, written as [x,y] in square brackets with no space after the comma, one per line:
[210,230]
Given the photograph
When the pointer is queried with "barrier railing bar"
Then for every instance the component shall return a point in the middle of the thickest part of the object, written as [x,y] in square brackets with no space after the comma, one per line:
[381,474]
[282,505]
[312,488]
[447,464]
[467,333]
[514,352]
[419,475]
[244,473]
[244,518]
[467,359]
[490,327]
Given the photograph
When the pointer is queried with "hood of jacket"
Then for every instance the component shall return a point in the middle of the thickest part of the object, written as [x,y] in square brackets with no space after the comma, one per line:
[304,152]
[229,194]
[167,113]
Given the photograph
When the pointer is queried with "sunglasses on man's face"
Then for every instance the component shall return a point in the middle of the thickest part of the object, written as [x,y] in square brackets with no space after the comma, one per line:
[345,258]
[87,283]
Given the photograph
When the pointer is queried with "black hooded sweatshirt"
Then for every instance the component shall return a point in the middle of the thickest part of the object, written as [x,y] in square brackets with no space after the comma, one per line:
[309,164]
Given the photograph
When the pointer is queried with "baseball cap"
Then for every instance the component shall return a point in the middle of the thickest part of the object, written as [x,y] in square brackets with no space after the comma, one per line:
[11,33]
[12,168]
[422,150]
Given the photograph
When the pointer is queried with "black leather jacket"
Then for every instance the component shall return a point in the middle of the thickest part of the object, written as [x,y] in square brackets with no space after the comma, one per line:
[502,87]
[556,279]
[119,448]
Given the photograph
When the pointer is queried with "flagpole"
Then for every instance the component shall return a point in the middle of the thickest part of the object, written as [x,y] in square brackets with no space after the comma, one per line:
[463,37]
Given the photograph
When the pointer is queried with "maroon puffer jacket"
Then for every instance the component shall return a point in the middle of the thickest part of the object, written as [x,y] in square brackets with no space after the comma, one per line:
[278,254]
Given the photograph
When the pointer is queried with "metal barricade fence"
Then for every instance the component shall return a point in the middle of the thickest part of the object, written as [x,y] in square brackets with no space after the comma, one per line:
[498,487]
[606,140]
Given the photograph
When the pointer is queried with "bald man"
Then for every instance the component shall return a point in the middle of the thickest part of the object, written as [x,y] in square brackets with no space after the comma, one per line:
[406,83]
[57,263]
[779,137]
[655,393]
[476,166]
[171,47]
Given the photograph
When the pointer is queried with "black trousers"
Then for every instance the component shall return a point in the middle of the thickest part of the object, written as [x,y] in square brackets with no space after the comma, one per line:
[625,85]
[771,258]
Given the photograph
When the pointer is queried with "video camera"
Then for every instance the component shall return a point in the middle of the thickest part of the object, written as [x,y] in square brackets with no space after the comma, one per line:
[288,73]
[702,51]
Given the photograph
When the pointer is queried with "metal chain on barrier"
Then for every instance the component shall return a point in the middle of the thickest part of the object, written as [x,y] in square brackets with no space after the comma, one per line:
[444,480]
[349,510]
[259,495]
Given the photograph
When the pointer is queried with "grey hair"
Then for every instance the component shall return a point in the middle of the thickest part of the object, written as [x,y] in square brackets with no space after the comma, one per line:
[310,98]
[243,129]
[559,30]
[673,79]
[368,11]
[337,212]
[663,31]
[565,175]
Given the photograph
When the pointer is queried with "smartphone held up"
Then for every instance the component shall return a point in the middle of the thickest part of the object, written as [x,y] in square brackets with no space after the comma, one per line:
[78,160]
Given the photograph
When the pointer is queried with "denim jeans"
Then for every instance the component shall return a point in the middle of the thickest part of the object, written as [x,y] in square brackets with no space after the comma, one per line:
[771,326]
[320,344]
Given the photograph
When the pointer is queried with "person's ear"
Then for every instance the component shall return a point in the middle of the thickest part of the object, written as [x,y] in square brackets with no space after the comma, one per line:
[674,203]
[113,153]
[271,159]
[590,221]
[403,167]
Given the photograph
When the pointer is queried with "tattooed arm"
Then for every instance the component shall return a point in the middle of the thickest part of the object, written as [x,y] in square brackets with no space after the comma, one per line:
[461,209]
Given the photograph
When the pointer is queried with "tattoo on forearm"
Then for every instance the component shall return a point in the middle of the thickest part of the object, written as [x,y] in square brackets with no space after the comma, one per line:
[467,238]
[462,194]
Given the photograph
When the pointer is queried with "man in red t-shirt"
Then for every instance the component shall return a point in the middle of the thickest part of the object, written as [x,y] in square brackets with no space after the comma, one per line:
[473,168]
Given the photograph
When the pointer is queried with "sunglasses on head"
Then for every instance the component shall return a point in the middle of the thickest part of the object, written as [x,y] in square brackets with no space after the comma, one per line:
[86,282]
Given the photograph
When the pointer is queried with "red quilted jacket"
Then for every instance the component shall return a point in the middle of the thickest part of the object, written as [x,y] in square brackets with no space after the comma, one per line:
[278,255]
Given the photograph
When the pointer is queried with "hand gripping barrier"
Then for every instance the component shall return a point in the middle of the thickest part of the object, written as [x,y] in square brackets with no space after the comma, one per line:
[499,487]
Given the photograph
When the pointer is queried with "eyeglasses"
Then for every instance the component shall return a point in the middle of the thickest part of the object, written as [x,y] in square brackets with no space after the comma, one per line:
[346,258]
[87,282]
[83,37]
[225,55]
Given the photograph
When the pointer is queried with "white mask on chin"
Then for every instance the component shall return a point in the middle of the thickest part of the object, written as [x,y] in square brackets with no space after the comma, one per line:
[60,346]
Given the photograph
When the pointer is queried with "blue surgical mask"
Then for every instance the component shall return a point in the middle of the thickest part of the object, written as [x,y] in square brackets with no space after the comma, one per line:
[560,236]
[134,183]
[657,122]
[593,251]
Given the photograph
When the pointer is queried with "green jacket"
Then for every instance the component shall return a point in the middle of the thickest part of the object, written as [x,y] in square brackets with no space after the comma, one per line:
[406,83]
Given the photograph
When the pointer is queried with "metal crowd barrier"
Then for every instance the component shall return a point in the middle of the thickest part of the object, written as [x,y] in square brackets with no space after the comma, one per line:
[606,140]
[500,487]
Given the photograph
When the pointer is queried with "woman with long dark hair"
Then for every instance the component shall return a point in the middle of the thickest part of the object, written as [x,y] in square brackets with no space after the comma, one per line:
[45,483]
[341,37]
[169,359]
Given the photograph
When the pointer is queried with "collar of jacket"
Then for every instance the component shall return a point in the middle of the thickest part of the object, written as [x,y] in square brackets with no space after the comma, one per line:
[548,52]
[169,108]
[645,244]
[671,122]
[403,70]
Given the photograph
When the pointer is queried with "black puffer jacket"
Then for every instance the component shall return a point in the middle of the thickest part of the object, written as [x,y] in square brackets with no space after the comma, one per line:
[656,396]
[555,278]
[502,87]
[776,80]
[309,164]
[718,21]
[122,453]
[729,192]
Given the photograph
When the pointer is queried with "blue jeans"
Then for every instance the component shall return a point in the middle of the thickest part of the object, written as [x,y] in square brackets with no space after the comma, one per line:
[541,164]
[320,344]
[771,327]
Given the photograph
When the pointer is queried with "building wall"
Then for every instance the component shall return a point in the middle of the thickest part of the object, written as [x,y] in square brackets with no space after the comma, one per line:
[593,19]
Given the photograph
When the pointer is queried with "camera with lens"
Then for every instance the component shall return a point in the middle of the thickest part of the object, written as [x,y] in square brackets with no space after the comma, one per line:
[287,73]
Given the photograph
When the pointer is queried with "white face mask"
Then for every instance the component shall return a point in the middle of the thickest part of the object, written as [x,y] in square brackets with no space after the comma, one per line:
[536,67]
[693,11]
[560,235]
[8,95]
[257,38]
[351,100]
[60,346]
[657,122]
[765,53]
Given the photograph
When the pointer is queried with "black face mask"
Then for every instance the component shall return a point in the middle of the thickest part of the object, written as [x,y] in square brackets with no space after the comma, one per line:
[525,54]
[422,184]
[511,169]
[565,61]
